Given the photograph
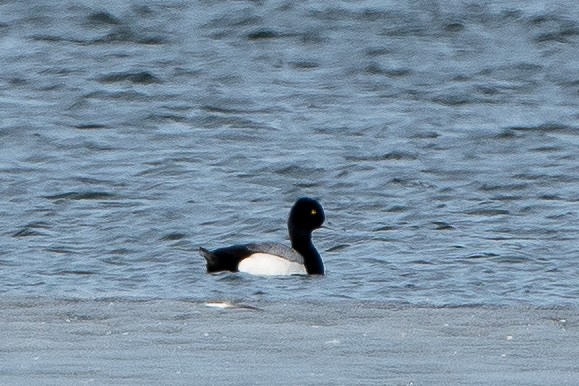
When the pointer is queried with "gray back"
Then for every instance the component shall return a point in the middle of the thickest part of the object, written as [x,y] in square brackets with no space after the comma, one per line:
[277,249]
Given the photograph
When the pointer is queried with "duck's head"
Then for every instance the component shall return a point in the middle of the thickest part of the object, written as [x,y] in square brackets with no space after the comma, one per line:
[306,215]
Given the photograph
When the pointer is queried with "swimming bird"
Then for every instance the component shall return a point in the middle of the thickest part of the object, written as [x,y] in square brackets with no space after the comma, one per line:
[268,258]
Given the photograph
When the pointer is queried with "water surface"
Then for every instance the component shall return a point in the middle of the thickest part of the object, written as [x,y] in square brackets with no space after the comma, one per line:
[441,139]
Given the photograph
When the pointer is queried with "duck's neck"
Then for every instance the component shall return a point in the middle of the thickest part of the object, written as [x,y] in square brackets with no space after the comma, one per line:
[302,242]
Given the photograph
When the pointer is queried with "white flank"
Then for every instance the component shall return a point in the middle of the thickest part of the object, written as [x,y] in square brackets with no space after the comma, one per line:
[266,265]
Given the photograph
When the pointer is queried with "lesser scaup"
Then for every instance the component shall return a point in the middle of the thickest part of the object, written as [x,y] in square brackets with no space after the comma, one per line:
[302,258]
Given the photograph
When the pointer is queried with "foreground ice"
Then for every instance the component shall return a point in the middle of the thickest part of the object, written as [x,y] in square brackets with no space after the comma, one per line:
[46,341]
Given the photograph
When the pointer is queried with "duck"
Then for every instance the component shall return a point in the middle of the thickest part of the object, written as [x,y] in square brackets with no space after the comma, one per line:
[269,258]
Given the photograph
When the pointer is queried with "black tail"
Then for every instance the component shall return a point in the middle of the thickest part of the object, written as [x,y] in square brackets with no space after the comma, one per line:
[224,259]
[209,257]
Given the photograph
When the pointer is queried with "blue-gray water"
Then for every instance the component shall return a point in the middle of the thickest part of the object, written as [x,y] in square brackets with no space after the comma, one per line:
[441,138]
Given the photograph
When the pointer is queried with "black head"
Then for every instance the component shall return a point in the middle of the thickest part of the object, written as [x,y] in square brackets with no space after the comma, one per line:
[306,215]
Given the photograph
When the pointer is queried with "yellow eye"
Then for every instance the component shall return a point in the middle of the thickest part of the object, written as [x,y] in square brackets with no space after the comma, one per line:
[314,212]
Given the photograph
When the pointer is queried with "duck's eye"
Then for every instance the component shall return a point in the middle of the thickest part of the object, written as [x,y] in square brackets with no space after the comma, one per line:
[314,212]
